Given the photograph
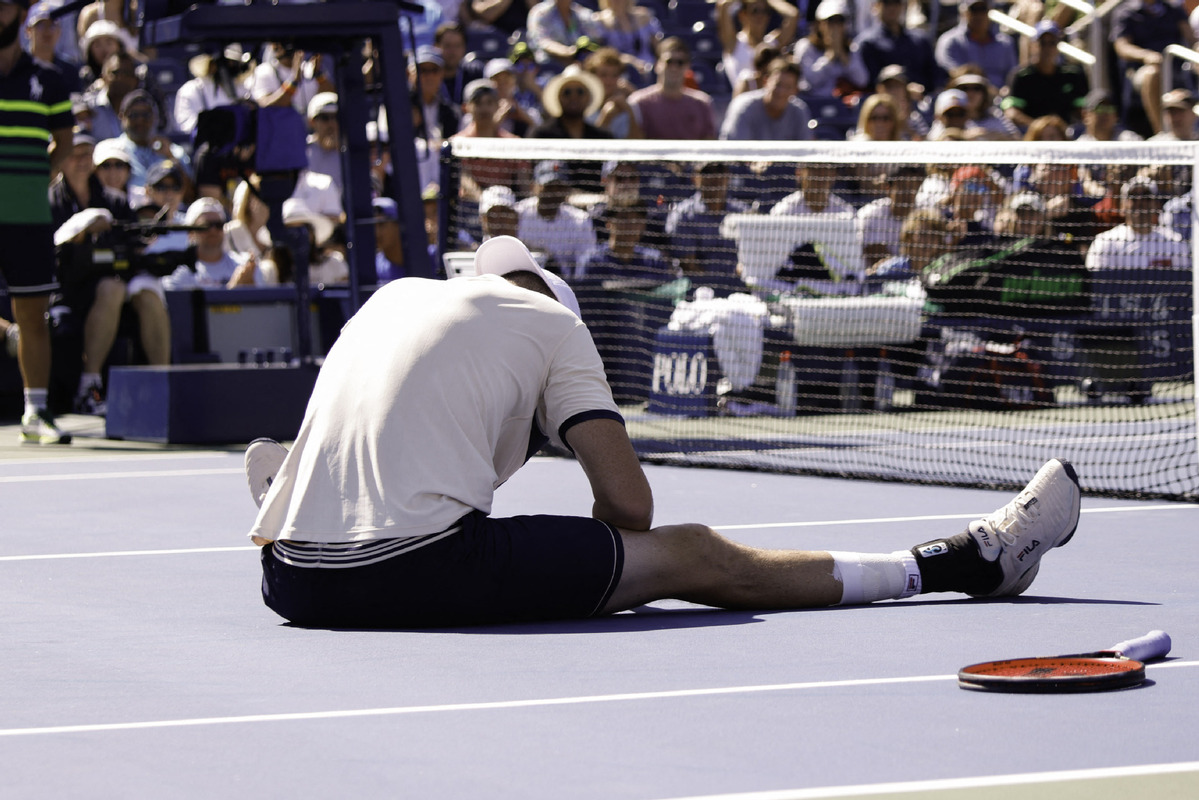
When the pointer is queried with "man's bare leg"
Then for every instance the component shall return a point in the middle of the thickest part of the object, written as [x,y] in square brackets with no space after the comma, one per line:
[696,564]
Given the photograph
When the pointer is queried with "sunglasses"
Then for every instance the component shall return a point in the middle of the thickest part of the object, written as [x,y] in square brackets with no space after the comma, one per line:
[113,165]
[676,62]
[167,187]
[881,118]
[325,117]
[573,91]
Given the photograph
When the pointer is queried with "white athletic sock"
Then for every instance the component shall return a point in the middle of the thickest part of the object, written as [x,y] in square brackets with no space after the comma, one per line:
[35,401]
[867,577]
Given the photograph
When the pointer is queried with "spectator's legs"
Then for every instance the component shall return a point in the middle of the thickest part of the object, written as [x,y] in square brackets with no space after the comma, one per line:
[103,319]
[155,326]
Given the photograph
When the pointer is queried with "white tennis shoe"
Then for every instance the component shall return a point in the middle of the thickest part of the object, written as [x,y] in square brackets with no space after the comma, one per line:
[1043,516]
[264,457]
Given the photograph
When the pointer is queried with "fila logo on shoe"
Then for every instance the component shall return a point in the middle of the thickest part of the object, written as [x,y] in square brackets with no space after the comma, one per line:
[983,537]
[1028,550]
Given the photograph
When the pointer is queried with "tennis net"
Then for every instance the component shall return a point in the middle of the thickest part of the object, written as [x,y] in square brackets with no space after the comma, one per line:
[949,312]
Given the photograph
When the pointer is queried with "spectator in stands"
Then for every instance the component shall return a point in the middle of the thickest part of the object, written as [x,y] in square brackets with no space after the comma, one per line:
[694,229]
[624,256]
[669,109]
[633,31]
[389,245]
[623,185]
[101,39]
[505,16]
[246,232]
[96,297]
[215,267]
[139,117]
[951,112]
[497,212]
[615,115]
[569,98]
[118,12]
[324,142]
[1101,120]
[923,238]
[740,37]
[1051,128]
[1139,243]
[977,40]
[216,80]
[327,265]
[880,223]
[772,113]
[830,63]
[1049,85]
[755,77]
[815,196]
[164,198]
[878,121]
[519,111]
[439,119]
[984,118]
[482,105]
[562,32]
[450,41]
[1140,31]
[974,195]
[44,35]
[893,82]
[289,77]
[549,224]
[1178,117]
[118,78]
[1069,215]
[889,41]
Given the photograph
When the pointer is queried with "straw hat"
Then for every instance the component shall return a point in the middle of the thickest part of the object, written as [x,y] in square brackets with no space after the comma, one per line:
[572,74]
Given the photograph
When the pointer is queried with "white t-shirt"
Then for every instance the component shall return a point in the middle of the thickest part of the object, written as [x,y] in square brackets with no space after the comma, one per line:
[567,237]
[1121,248]
[877,225]
[426,403]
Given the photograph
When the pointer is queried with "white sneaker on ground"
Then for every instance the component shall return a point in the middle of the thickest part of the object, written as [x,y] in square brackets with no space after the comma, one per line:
[40,428]
[264,457]
[1043,516]
[92,401]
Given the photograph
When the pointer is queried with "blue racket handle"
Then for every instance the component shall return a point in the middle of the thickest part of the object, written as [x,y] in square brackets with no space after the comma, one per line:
[1154,644]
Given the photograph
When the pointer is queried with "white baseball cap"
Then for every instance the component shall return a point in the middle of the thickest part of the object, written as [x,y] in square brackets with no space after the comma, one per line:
[501,255]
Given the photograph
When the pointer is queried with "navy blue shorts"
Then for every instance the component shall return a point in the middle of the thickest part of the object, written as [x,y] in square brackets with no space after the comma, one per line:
[27,259]
[492,570]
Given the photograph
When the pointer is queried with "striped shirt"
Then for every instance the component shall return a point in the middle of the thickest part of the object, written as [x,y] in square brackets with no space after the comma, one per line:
[33,104]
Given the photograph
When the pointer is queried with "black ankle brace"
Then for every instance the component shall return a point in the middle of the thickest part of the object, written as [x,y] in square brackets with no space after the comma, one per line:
[956,565]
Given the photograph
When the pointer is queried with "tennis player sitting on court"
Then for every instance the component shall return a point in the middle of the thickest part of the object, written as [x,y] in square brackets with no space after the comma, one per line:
[436,392]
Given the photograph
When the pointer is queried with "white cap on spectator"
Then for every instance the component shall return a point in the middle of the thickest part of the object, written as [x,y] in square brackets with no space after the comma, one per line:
[494,196]
[297,212]
[1027,200]
[950,98]
[202,206]
[831,8]
[107,149]
[106,27]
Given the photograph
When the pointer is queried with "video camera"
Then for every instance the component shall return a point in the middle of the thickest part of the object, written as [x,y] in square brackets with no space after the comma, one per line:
[122,253]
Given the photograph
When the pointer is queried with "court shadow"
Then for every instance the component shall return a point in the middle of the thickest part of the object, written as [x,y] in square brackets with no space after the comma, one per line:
[643,618]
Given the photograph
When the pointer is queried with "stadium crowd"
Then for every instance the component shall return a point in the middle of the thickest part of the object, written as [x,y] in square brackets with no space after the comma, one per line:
[731,69]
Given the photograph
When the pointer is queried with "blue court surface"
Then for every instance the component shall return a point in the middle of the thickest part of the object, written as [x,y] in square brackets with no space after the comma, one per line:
[141,662]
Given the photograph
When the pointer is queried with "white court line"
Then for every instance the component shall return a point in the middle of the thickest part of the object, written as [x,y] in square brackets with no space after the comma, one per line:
[958,783]
[490,706]
[754,526]
[104,476]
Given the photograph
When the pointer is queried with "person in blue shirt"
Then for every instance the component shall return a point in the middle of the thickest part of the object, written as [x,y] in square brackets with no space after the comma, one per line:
[693,228]
[888,41]
[977,40]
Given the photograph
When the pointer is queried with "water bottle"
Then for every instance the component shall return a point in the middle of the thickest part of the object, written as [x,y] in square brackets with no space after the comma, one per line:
[784,386]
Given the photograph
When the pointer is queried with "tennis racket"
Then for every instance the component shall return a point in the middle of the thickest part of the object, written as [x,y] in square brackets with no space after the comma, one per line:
[1118,667]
